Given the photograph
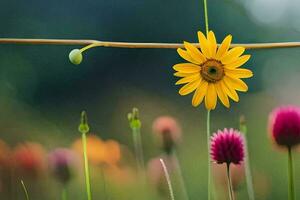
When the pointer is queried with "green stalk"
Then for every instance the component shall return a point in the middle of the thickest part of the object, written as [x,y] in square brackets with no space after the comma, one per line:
[208,155]
[249,182]
[291,175]
[206,16]
[86,168]
[84,129]
[208,111]
[135,125]
[230,190]
[25,190]
[136,133]
[64,193]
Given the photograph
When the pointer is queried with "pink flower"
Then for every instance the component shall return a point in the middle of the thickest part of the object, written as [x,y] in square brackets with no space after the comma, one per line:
[168,132]
[227,146]
[63,164]
[284,125]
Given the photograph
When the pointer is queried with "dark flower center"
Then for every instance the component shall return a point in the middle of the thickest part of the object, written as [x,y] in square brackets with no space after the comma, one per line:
[212,70]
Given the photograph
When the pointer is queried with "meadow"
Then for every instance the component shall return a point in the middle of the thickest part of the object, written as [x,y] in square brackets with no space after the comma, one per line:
[152,100]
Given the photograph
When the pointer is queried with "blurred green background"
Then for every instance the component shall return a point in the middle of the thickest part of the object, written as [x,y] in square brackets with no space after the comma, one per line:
[42,93]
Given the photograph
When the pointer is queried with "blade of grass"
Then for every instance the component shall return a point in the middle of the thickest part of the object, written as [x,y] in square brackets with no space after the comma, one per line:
[167,178]
[25,190]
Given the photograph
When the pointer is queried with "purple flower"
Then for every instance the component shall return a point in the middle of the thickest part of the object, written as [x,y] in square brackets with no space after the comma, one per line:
[227,146]
[284,125]
[62,163]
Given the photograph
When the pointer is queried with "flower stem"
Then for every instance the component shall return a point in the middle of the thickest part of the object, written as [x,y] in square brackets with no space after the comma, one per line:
[136,45]
[88,47]
[25,190]
[135,125]
[249,182]
[64,193]
[138,147]
[206,16]
[208,116]
[168,179]
[86,168]
[179,172]
[230,190]
[291,175]
[208,155]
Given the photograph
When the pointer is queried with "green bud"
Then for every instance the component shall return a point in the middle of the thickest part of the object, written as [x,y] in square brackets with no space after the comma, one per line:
[83,126]
[133,118]
[75,56]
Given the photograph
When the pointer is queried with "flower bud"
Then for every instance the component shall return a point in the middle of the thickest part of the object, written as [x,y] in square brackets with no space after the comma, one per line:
[83,126]
[75,56]
[134,120]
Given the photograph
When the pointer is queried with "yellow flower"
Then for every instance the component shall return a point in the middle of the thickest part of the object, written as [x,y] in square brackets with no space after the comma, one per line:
[212,71]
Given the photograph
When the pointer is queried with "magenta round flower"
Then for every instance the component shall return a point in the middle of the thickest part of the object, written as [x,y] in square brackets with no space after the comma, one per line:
[227,146]
[63,163]
[284,125]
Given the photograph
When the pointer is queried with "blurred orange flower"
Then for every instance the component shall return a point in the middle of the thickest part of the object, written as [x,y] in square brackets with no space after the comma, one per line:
[29,159]
[99,151]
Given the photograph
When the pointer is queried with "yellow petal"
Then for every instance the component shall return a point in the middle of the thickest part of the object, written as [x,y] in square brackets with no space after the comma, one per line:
[211,97]
[224,47]
[194,52]
[181,74]
[188,79]
[236,83]
[212,43]
[200,93]
[238,62]
[188,88]
[204,45]
[186,56]
[222,95]
[187,68]
[232,55]
[229,91]
[239,73]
